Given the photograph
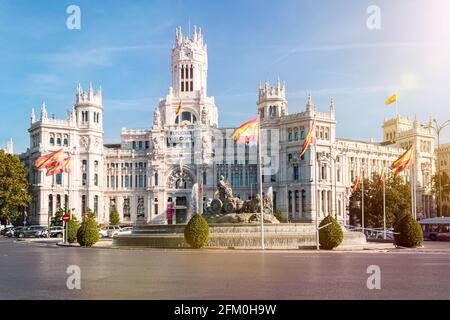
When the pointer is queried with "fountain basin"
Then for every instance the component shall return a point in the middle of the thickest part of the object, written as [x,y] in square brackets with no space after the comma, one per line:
[239,236]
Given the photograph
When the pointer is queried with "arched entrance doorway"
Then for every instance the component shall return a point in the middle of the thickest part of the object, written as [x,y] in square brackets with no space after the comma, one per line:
[181,212]
[179,186]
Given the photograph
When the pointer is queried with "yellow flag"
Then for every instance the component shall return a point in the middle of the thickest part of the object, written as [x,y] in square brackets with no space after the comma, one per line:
[177,111]
[392,99]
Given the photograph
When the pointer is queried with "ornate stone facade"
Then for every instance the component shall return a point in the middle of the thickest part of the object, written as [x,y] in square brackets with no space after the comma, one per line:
[155,166]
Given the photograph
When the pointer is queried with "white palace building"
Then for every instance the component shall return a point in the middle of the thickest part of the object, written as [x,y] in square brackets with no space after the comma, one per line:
[151,167]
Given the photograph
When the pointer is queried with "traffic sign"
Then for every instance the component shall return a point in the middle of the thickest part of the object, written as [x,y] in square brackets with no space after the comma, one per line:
[66,218]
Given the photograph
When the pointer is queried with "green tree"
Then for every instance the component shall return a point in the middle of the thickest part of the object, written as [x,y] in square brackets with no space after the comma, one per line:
[58,218]
[444,181]
[398,201]
[196,232]
[89,213]
[14,195]
[87,234]
[332,235]
[114,218]
[72,229]
[408,232]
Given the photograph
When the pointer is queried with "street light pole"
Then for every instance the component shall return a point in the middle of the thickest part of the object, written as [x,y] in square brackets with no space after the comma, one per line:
[438,128]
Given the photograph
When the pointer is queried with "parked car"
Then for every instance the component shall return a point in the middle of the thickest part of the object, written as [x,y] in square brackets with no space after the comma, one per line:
[12,232]
[113,230]
[32,232]
[5,231]
[56,232]
[443,236]
[103,232]
[124,231]
[3,227]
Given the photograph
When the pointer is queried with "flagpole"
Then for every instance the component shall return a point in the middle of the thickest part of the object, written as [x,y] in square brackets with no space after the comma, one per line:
[411,179]
[362,202]
[384,204]
[260,182]
[316,196]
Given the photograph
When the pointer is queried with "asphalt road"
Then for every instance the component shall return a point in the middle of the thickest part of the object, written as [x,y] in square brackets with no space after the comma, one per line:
[38,271]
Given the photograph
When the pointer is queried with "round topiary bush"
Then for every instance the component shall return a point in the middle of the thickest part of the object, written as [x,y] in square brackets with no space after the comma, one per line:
[196,232]
[331,236]
[72,229]
[408,232]
[88,234]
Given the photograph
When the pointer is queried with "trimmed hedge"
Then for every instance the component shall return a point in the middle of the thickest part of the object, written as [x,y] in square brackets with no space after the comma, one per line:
[196,232]
[331,236]
[409,232]
[88,234]
[72,229]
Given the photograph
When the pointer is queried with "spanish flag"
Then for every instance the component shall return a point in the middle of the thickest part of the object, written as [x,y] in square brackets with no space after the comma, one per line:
[309,139]
[177,110]
[248,132]
[403,162]
[46,160]
[356,184]
[59,167]
[391,99]
[380,179]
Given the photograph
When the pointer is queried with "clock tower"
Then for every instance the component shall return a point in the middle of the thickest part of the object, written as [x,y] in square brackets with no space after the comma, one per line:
[189,65]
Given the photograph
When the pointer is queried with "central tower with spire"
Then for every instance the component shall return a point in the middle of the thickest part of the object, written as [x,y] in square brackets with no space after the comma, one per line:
[189,64]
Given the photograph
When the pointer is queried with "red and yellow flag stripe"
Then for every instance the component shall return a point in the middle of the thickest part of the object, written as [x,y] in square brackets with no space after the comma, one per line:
[309,139]
[403,162]
[248,132]
[48,159]
[59,167]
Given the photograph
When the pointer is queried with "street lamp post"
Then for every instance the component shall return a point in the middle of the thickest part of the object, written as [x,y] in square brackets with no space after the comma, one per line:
[438,128]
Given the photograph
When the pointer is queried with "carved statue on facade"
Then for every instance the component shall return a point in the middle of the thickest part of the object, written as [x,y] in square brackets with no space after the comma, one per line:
[204,115]
[157,118]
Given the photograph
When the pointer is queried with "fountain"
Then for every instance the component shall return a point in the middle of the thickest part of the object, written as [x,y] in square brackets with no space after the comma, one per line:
[234,224]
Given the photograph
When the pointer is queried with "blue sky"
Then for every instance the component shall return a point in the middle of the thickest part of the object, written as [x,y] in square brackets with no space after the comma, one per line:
[322,47]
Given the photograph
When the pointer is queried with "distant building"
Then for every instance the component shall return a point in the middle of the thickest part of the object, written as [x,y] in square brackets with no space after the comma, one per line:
[9,147]
[443,156]
[153,167]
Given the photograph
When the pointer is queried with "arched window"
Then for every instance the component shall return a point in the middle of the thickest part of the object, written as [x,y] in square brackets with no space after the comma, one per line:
[58,139]
[186,116]
[52,139]
[66,140]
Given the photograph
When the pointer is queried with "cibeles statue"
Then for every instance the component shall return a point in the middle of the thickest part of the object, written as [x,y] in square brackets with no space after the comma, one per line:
[227,208]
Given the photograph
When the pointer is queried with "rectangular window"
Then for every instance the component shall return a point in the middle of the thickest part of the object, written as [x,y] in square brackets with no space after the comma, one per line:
[84,179]
[134,145]
[83,204]
[156,179]
[96,179]
[96,204]
[140,145]
[192,85]
[295,172]
[58,179]
[182,86]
